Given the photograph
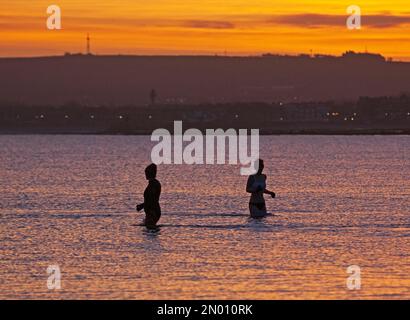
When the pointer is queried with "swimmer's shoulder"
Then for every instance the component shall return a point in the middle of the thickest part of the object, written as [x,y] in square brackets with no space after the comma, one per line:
[157,183]
[154,183]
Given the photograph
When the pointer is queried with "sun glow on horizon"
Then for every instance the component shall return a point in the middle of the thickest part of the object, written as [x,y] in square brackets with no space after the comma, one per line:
[210,27]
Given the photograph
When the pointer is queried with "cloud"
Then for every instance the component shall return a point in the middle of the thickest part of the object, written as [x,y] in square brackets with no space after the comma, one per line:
[385,21]
[324,20]
[207,24]
[222,22]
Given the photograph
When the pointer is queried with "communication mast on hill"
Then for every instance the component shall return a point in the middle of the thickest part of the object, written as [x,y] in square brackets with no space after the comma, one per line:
[88,44]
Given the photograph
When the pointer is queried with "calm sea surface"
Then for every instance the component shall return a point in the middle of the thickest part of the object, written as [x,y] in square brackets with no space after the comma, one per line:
[69,201]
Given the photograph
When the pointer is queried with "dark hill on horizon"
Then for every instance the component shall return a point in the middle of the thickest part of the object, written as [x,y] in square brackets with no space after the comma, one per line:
[128,80]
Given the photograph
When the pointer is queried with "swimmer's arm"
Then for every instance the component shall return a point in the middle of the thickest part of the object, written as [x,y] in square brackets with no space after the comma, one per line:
[271,193]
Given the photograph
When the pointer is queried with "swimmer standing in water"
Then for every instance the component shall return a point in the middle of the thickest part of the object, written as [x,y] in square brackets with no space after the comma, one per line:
[151,198]
[256,185]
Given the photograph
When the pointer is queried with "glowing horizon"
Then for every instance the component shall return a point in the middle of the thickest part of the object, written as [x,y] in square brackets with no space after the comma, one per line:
[176,27]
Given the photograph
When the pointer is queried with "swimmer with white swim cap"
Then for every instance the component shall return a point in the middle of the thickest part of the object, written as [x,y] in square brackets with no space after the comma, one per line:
[256,185]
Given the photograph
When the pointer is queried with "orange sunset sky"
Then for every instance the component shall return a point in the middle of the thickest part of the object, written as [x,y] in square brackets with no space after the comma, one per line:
[238,27]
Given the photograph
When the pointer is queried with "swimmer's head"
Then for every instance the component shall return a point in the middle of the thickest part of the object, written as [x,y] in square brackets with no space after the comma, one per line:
[260,166]
[151,171]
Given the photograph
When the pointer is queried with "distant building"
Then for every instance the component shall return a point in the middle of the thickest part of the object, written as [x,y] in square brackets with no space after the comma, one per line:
[360,56]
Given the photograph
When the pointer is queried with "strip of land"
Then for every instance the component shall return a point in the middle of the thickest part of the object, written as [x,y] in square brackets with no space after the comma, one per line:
[383,115]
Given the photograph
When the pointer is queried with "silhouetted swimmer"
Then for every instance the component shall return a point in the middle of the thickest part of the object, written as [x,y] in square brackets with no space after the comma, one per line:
[151,198]
[256,185]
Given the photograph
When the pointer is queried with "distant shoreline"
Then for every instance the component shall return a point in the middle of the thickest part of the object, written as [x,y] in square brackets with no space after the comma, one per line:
[367,116]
